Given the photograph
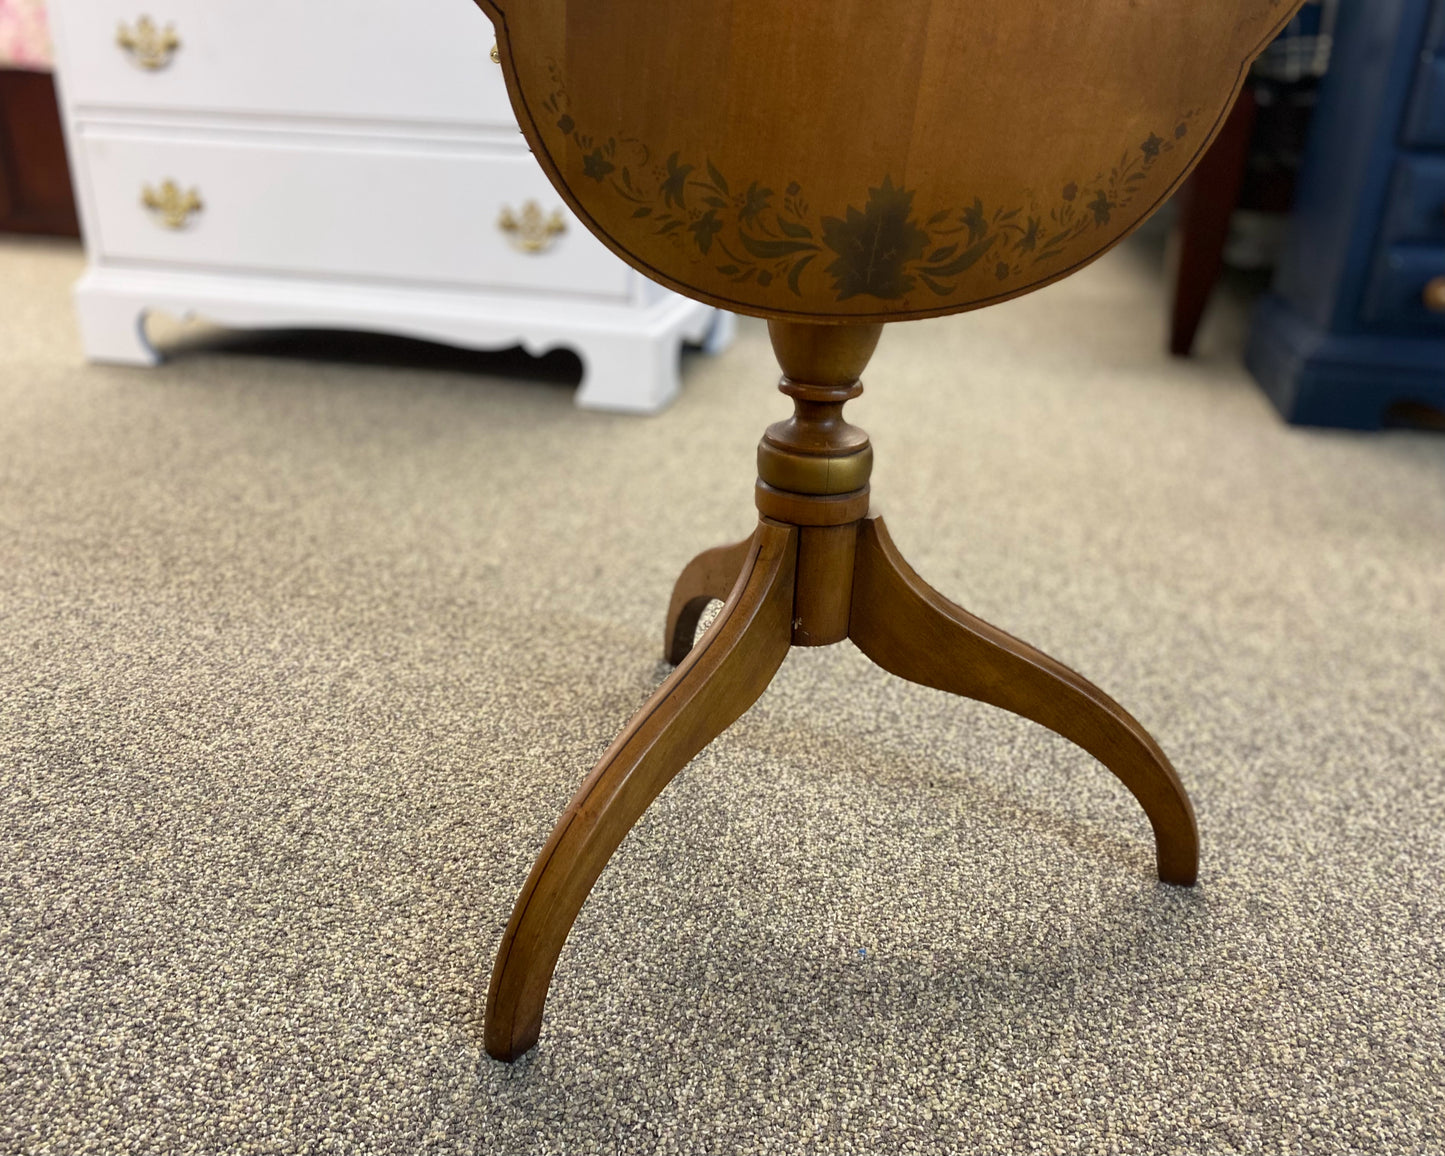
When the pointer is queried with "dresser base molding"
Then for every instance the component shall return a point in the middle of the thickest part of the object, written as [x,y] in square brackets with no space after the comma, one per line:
[630,355]
[1348,381]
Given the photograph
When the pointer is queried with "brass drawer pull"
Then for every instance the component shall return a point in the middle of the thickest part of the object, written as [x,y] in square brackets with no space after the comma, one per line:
[532,232]
[172,208]
[1434,295]
[149,47]
[495,54]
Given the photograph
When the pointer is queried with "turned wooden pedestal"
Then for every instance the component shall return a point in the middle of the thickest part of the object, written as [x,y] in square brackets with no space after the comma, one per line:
[833,168]
[817,570]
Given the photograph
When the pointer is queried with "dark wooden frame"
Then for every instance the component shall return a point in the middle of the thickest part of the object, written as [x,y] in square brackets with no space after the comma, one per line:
[36,193]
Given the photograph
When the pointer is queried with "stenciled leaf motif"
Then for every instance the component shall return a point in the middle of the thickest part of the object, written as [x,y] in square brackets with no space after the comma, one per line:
[876,245]
[755,201]
[674,188]
[596,165]
[767,249]
[965,260]
[1102,208]
[974,218]
[704,229]
[797,271]
[879,249]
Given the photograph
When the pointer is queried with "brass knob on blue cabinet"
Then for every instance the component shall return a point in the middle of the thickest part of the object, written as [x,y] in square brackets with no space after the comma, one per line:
[1434,295]
[149,47]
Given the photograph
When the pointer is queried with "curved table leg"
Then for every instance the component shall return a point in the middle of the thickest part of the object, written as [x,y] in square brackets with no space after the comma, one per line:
[912,631]
[724,674]
[707,578]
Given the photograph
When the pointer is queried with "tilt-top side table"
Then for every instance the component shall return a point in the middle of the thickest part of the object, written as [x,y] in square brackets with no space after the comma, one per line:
[833,166]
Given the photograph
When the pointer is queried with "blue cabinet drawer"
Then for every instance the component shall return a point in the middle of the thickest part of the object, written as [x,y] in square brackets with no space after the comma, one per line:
[1415,212]
[1425,120]
[1396,296]
[1425,125]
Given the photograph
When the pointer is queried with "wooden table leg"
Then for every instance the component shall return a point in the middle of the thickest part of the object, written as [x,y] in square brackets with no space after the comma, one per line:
[710,577]
[726,671]
[1206,203]
[912,631]
[817,570]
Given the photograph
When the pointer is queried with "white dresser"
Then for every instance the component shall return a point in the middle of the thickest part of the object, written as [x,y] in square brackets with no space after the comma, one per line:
[337,164]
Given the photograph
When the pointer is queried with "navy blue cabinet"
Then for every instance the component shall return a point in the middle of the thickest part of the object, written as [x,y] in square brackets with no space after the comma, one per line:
[1355,323]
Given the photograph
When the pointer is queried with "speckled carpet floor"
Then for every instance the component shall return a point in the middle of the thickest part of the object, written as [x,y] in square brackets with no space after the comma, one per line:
[304,645]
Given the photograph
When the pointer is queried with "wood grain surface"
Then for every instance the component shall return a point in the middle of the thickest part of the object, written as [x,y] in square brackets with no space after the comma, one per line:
[709,577]
[867,160]
[731,665]
[911,630]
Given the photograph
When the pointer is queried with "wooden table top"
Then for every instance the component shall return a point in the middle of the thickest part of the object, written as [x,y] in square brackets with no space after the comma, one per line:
[871,160]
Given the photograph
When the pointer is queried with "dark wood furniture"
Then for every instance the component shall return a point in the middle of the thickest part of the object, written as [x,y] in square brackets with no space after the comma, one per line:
[35,190]
[1252,165]
[833,168]
[1206,205]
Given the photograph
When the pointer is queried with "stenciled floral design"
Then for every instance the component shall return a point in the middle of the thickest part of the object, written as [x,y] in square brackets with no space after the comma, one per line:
[753,234]
[874,247]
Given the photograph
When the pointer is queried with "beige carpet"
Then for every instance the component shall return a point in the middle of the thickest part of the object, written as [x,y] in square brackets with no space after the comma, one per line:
[304,645]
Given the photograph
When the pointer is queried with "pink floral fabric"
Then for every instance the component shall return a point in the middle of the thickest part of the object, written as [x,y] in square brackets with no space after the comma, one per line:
[24,34]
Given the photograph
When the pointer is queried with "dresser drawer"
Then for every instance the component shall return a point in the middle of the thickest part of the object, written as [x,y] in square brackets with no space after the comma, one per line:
[1416,209]
[317,209]
[1425,120]
[372,59]
[1396,295]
